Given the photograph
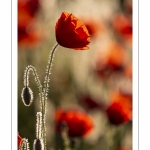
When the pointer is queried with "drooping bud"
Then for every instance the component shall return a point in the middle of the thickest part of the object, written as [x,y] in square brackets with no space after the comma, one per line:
[38,144]
[27,96]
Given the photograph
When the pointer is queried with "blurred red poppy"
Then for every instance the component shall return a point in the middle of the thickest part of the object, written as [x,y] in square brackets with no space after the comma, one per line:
[19,140]
[94,25]
[128,70]
[122,26]
[28,33]
[24,19]
[91,103]
[79,123]
[29,38]
[120,109]
[112,58]
[71,32]
[32,6]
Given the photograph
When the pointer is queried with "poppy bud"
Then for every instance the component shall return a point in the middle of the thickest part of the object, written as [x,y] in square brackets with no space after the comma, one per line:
[38,144]
[27,96]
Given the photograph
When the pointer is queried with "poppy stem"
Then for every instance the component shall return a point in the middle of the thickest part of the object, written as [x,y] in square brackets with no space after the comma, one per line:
[111,132]
[64,135]
[45,92]
[38,125]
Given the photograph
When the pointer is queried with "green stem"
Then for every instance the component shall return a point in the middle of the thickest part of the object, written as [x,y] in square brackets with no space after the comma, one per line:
[45,92]
[111,133]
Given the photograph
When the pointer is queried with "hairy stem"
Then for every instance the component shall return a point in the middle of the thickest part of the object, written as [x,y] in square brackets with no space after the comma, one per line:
[45,91]
[26,82]
[38,125]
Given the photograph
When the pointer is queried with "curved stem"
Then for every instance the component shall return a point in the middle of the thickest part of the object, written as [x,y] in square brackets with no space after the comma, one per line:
[45,91]
[26,82]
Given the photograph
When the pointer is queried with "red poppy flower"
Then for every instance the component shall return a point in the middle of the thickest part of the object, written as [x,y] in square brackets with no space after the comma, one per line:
[29,38]
[79,123]
[112,58]
[120,110]
[128,70]
[122,26]
[24,19]
[91,103]
[32,6]
[71,32]
[19,140]
[28,32]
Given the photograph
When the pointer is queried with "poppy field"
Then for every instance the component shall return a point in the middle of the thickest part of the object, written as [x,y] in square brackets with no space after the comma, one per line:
[74,75]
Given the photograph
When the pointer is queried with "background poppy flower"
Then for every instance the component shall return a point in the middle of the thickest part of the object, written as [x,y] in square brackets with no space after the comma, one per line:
[120,110]
[32,6]
[90,103]
[19,140]
[111,58]
[128,70]
[29,33]
[117,113]
[94,25]
[29,38]
[79,123]
[71,32]
[122,26]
